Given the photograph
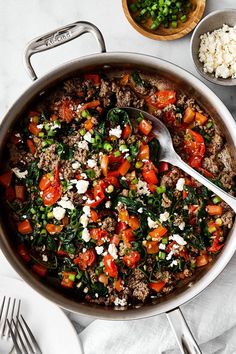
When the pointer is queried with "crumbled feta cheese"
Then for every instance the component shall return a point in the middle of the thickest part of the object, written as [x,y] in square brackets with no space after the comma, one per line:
[180,184]
[182,225]
[174,263]
[164,216]
[217,52]
[170,255]
[116,132]
[55,126]
[83,175]
[86,235]
[99,249]
[84,220]
[75,165]
[87,210]
[82,186]
[58,213]
[179,239]
[151,223]
[83,145]
[142,188]
[108,204]
[44,257]
[120,302]
[40,126]
[91,163]
[20,174]
[86,290]
[88,137]
[140,210]
[65,203]
[162,246]
[112,250]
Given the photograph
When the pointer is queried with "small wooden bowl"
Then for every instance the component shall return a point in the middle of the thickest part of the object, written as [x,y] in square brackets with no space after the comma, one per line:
[167,34]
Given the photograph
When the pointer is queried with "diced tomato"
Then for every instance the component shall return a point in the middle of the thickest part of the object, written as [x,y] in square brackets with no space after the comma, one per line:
[62,253]
[99,196]
[126,131]
[152,187]
[200,118]
[115,240]
[169,246]
[158,233]
[145,127]
[124,168]
[103,278]
[5,178]
[104,160]
[10,194]
[51,195]
[124,80]
[214,209]
[85,259]
[195,147]
[134,222]
[24,227]
[118,285]
[185,193]
[68,279]
[31,146]
[94,216]
[149,173]
[152,247]
[216,245]
[34,129]
[20,192]
[144,153]
[39,269]
[110,266]
[202,260]
[97,233]
[158,286]
[127,235]
[66,110]
[162,98]
[124,215]
[23,252]
[121,226]
[112,180]
[132,259]
[53,229]
[88,124]
[93,77]
[206,173]
[163,167]
[189,115]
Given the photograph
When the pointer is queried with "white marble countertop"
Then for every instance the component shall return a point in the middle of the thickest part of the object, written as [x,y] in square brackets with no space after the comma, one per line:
[20,21]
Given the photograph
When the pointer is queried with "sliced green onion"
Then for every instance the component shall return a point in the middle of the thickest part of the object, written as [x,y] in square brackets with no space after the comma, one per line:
[117,153]
[216,200]
[164,240]
[84,113]
[72,277]
[161,255]
[138,164]
[160,189]
[41,134]
[82,132]
[107,147]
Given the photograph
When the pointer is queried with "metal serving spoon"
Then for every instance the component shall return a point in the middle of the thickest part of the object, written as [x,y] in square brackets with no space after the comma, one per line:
[168,154]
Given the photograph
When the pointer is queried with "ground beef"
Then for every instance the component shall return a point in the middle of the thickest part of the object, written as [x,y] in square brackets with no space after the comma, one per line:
[190,102]
[105,89]
[216,144]
[48,159]
[225,158]
[227,179]
[178,220]
[98,171]
[137,283]
[210,164]
[66,169]
[126,98]
[181,100]
[166,202]
[108,224]
[171,179]
[75,198]
[73,86]
[18,156]
[227,219]
[141,89]
[81,156]
[71,140]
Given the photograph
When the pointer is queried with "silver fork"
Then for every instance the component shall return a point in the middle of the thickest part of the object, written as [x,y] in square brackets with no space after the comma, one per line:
[9,310]
[22,336]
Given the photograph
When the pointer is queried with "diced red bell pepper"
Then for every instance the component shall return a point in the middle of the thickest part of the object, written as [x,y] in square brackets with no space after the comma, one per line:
[24,227]
[126,131]
[85,259]
[127,235]
[23,252]
[68,279]
[158,286]
[124,168]
[110,266]
[145,127]
[20,192]
[10,194]
[132,259]
[93,77]
[163,167]
[39,269]
[162,98]
[5,178]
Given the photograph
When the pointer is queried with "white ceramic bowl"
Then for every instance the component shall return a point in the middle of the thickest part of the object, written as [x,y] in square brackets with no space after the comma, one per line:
[213,21]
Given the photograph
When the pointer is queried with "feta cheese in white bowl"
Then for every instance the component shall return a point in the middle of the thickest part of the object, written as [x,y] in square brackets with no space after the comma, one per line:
[213,47]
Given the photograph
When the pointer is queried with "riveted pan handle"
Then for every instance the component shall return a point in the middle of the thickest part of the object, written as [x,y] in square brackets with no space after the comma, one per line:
[59,37]
[184,336]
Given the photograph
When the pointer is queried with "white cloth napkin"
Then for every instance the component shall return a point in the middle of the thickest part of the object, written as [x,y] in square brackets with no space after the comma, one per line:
[211,317]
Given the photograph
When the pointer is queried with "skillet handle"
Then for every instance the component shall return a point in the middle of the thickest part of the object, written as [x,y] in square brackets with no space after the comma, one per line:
[58,37]
[184,336]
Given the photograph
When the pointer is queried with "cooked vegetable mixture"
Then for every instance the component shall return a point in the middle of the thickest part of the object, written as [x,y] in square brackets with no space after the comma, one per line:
[168,13]
[92,205]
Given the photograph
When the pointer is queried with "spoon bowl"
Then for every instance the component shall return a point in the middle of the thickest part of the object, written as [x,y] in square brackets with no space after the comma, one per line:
[168,154]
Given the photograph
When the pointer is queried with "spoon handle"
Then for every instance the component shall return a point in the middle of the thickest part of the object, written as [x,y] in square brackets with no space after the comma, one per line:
[230,200]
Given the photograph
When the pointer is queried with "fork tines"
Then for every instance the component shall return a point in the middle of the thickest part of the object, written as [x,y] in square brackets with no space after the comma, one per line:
[9,310]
